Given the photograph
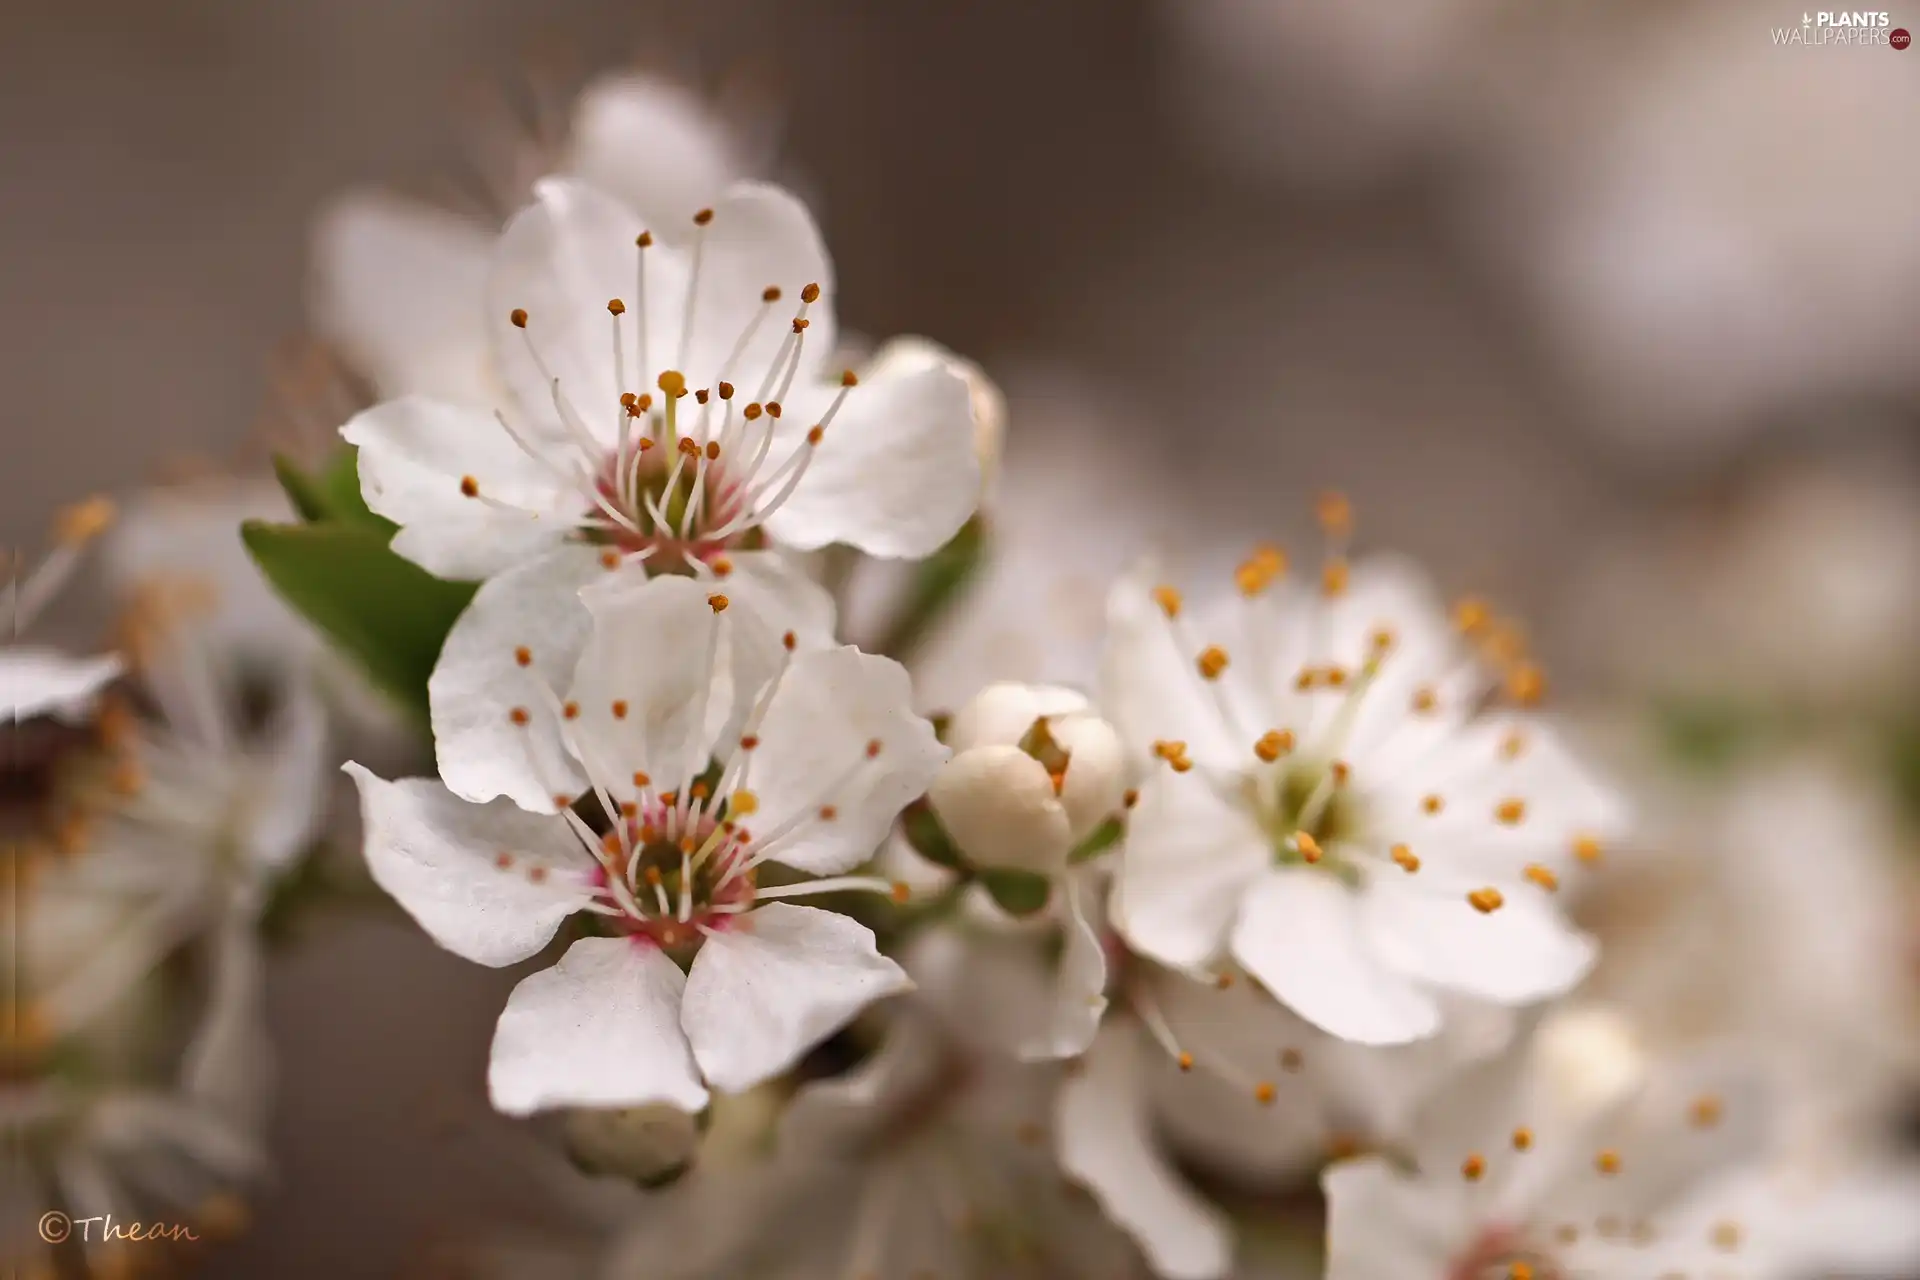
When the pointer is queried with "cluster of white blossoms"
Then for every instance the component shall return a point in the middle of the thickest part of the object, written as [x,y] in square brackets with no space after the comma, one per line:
[1276,941]
[153,807]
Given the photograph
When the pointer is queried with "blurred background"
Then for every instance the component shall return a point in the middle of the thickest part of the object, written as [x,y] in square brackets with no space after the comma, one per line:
[1606,310]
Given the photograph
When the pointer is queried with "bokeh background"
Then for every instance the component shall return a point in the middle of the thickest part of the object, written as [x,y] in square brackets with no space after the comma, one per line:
[1608,310]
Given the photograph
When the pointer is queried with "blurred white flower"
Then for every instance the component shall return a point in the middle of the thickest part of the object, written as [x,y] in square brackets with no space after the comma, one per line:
[826,756]
[1695,301]
[1716,925]
[400,287]
[586,473]
[1512,1172]
[1800,590]
[1333,810]
[39,681]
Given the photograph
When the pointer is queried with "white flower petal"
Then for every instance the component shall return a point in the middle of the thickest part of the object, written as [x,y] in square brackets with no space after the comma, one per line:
[1079,985]
[397,288]
[1002,713]
[1381,1223]
[760,236]
[440,858]
[817,749]
[599,1029]
[561,260]
[1299,933]
[416,456]
[653,685]
[1188,859]
[778,982]
[227,1063]
[290,804]
[1151,691]
[654,146]
[1105,1139]
[895,473]
[36,682]
[771,596]
[1519,953]
[479,684]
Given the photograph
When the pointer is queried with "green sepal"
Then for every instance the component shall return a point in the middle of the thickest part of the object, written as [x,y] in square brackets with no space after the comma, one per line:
[1099,840]
[1018,893]
[331,493]
[386,613]
[935,587]
[929,838]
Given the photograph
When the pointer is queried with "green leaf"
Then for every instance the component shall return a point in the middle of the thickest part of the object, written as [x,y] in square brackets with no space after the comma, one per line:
[387,614]
[332,493]
[1018,893]
[937,585]
[929,838]
[306,493]
[1099,840]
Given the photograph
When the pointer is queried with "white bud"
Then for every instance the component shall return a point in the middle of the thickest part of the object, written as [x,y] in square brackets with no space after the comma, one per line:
[998,805]
[910,355]
[650,1145]
[1035,771]
[1587,1058]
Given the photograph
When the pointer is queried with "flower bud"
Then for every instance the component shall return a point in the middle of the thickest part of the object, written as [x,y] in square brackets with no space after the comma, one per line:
[908,355]
[1035,771]
[1587,1058]
[651,1145]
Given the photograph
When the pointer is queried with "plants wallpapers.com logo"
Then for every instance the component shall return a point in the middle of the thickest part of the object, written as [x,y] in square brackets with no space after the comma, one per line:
[1843,28]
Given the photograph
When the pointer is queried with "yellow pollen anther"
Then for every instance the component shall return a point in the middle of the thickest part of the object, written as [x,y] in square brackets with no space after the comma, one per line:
[1705,1112]
[828,813]
[1472,616]
[1341,771]
[1212,661]
[873,748]
[703,217]
[1486,901]
[742,803]
[901,892]
[1526,684]
[1168,749]
[561,800]
[773,408]
[1726,1236]
[1509,812]
[749,741]
[1264,1093]
[609,559]
[503,860]
[1432,805]
[1333,577]
[1168,598]
[1587,849]
[1607,1162]
[1381,640]
[1542,876]
[1334,513]
[789,640]
[800,324]
[689,446]
[1273,744]
[519,317]
[770,294]
[672,382]
[1425,700]
[1221,981]
[816,433]
[1473,1168]
[848,378]
[571,711]
[726,390]
[523,656]
[717,602]
[1129,798]
[1405,859]
[713,450]
[1522,1138]
[722,567]
[701,397]
[1310,851]
[1185,1061]
[641,778]
[469,486]
[616,307]
[1335,676]
[1519,1271]
[519,715]
[752,412]
[1512,745]
[644,239]
[619,709]
[810,294]
[83,521]
[652,875]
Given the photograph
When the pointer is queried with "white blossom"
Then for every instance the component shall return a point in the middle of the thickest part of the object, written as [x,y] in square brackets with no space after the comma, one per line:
[36,680]
[826,755]
[1334,810]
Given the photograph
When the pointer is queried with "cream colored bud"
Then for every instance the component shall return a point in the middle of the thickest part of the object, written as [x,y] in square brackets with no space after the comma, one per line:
[1586,1058]
[1003,714]
[650,1145]
[1094,785]
[910,355]
[999,805]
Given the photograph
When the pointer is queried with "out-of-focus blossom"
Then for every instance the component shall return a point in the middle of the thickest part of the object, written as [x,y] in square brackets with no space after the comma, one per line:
[1799,591]
[1711,242]
[1522,1169]
[585,473]
[1776,910]
[1332,809]
[825,757]
[400,287]
[36,680]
